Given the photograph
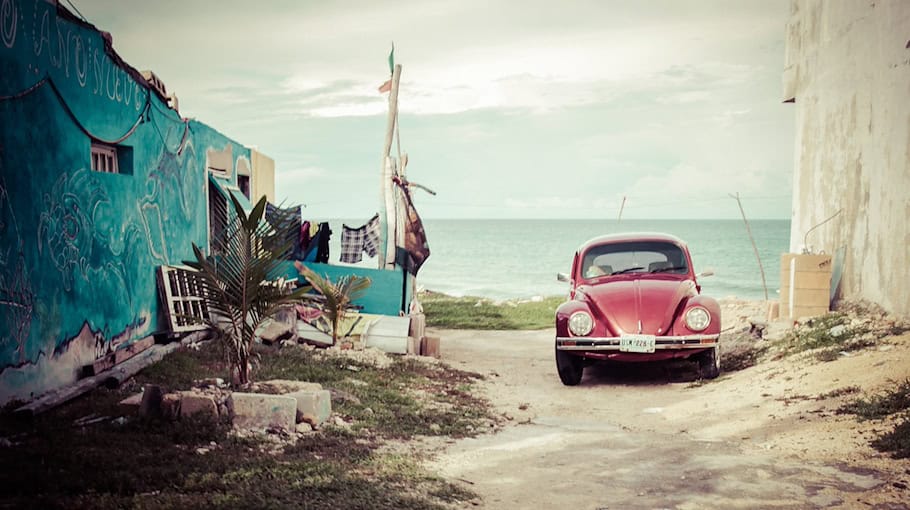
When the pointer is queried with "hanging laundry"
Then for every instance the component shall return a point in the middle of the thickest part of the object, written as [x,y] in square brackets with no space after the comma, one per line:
[318,251]
[355,241]
[287,220]
[415,238]
[303,242]
[371,242]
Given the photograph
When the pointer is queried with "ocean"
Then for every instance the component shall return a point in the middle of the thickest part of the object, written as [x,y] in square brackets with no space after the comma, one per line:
[519,259]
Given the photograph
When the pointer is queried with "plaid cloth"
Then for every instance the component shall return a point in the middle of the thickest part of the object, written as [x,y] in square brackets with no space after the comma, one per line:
[371,241]
[354,241]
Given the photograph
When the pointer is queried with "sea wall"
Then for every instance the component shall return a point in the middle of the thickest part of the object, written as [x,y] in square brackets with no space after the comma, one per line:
[79,248]
[848,71]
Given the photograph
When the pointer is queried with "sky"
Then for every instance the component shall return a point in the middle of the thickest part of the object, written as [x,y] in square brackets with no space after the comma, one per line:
[508,109]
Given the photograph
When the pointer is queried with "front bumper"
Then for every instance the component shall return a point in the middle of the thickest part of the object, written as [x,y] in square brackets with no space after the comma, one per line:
[661,343]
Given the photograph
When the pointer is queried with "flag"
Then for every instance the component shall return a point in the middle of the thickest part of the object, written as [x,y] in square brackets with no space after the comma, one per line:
[392,60]
[385,87]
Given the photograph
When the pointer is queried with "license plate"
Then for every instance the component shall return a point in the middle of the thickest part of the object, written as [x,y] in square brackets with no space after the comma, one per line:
[637,343]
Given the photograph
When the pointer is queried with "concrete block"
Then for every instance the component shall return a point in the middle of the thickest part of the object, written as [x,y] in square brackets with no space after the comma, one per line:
[170,406]
[260,411]
[313,407]
[271,331]
[195,404]
[131,403]
[429,346]
[418,325]
[282,386]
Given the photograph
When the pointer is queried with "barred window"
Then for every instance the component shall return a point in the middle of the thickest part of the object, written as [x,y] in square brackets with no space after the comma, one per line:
[104,159]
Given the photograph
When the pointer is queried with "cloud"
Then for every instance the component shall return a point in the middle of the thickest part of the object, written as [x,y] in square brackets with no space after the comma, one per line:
[302,174]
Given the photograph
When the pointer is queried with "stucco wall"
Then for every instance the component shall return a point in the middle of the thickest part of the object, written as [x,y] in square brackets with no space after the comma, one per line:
[263,179]
[848,68]
[79,248]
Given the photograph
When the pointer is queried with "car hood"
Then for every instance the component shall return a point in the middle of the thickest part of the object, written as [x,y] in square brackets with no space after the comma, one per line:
[640,305]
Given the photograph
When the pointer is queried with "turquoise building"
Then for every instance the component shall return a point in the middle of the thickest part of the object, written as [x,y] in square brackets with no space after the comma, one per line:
[101,182]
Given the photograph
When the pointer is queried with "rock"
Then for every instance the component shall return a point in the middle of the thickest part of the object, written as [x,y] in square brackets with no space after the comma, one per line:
[131,403]
[259,411]
[212,382]
[313,407]
[838,330]
[304,428]
[282,386]
[344,396]
[197,404]
[338,421]
[170,406]
[272,331]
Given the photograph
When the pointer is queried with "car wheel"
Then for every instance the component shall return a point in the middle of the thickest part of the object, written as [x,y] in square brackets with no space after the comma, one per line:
[570,368]
[709,363]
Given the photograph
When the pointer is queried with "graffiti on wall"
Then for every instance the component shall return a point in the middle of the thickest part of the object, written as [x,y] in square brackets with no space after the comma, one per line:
[73,53]
[16,296]
[78,249]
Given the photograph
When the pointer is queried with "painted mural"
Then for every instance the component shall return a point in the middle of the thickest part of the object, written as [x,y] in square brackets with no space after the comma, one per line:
[78,247]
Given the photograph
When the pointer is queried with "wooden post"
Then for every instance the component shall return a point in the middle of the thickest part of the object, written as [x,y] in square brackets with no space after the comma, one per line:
[754,248]
[389,213]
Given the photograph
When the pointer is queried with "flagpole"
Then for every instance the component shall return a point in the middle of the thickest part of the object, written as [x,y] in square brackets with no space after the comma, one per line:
[389,231]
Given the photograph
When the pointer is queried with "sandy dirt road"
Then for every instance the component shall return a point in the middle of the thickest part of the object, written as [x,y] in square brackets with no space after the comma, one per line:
[765,437]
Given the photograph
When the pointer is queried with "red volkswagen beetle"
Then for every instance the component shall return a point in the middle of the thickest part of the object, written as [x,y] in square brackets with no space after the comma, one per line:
[635,297]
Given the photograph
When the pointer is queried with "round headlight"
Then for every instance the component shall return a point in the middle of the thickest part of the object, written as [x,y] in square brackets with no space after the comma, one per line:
[697,319]
[581,323]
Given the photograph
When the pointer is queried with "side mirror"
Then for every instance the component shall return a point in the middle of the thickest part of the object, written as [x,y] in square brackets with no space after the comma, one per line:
[708,272]
[562,277]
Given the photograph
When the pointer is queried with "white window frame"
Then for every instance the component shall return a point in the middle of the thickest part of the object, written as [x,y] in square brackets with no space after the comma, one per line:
[104,159]
[184,299]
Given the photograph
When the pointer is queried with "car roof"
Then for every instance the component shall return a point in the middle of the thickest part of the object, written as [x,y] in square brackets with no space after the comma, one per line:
[631,236]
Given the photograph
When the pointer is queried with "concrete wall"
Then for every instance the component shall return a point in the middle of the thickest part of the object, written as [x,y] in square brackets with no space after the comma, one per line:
[848,70]
[384,296]
[263,178]
[79,248]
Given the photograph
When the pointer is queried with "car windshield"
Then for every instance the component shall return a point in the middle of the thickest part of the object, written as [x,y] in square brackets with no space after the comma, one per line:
[634,257]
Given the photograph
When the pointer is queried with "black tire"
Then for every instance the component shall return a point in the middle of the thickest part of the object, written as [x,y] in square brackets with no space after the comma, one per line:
[709,363]
[570,368]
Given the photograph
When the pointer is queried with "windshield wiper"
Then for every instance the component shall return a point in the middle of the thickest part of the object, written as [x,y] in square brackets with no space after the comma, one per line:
[672,268]
[627,270]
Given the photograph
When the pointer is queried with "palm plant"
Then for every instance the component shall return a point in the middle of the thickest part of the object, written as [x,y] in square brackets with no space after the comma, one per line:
[237,280]
[337,297]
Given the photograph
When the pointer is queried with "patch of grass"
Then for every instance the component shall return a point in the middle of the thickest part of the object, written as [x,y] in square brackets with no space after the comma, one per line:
[832,332]
[884,404]
[141,463]
[897,441]
[479,313]
[892,402]
[827,355]
[839,392]
[741,351]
